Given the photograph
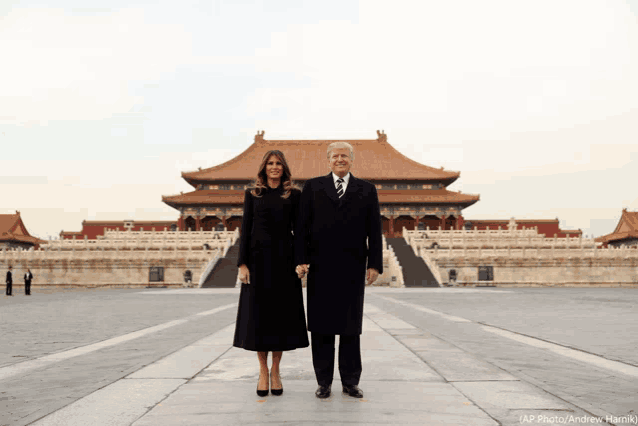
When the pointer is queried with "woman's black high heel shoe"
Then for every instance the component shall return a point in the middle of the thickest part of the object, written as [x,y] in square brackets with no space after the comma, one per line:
[277,392]
[261,392]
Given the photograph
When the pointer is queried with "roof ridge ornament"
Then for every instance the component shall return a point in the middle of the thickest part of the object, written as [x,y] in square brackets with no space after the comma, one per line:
[259,137]
[381,136]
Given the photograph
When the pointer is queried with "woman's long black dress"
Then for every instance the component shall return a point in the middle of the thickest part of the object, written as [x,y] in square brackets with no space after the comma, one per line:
[271,314]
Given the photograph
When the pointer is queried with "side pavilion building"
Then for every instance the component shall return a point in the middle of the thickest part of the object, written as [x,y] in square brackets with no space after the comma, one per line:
[14,234]
[625,234]
[411,195]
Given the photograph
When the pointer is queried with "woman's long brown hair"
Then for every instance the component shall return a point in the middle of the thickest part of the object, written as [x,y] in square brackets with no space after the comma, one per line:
[261,182]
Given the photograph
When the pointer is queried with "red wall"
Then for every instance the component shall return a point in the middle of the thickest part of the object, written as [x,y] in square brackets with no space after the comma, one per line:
[93,230]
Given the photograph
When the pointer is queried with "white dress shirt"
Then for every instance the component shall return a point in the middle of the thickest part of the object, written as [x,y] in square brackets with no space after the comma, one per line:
[346,179]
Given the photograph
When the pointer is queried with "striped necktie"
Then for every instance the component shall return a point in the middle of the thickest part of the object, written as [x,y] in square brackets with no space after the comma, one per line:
[340,187]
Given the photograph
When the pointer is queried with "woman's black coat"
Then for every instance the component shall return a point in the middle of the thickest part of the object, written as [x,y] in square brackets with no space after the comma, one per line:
[270,316]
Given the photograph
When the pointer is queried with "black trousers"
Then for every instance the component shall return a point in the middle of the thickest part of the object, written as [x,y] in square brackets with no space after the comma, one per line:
[9,289]
[27,288]
[323,358]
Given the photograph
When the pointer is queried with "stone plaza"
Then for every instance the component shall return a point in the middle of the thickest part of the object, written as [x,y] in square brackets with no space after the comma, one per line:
[431,356]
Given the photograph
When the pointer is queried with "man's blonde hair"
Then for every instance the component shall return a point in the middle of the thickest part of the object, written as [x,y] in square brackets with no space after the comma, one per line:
[337,145]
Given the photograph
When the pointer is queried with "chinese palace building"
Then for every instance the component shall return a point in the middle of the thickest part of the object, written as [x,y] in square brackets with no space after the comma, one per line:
[625,234]
[411,195]
[14,234]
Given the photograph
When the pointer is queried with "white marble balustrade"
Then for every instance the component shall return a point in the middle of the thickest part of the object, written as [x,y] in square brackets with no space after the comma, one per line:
[538,252]
[504,243]
[473,233]
[88,255]
[162,240]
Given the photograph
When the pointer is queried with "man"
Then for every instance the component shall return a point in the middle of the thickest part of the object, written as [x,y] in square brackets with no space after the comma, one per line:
[9,282]
[337,214]
[27,282]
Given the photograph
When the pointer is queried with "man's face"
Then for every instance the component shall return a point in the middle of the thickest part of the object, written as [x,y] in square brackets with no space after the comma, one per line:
[340,161]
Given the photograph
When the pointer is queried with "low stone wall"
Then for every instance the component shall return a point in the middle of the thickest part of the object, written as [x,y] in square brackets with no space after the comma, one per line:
[556,272]
[118,272]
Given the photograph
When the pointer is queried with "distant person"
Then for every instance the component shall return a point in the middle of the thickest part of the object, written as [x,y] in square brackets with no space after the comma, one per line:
[27,282]
[270,316]
[9,282]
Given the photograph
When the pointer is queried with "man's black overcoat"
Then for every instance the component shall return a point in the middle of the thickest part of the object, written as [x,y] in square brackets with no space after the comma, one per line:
[331,236]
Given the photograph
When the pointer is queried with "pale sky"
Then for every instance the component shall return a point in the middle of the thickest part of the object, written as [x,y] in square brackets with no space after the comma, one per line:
[102,107]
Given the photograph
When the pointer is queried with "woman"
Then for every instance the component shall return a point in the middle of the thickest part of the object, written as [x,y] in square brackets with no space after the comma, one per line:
[271,315]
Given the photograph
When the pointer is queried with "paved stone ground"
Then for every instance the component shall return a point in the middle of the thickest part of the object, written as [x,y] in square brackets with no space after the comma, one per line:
[431,356]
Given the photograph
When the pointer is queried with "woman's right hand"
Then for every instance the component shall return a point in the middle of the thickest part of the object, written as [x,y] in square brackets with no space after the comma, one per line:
[244,274]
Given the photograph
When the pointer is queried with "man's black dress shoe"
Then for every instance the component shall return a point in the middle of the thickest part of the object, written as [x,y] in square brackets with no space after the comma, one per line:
[323,391]
[353,391]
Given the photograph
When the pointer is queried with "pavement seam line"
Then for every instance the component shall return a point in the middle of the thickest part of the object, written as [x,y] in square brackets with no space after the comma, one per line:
[577,354]
[32,364]
[592,411]
[424,309]
[127,378]
[185,382]
[564,350]
[428,364]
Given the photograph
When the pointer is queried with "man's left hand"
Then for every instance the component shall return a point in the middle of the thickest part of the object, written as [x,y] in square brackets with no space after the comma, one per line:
[371,276]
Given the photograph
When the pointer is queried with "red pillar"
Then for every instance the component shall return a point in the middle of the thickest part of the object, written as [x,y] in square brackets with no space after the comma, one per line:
[416,223]
[198,223]
[180,223]
[392,226]
[224,219]
[442,222]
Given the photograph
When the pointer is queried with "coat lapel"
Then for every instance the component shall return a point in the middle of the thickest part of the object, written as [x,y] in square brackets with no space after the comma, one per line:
[330,188]
[352,187]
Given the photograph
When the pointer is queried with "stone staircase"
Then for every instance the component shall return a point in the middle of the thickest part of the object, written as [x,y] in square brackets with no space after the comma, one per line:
[224,274]
[415,272]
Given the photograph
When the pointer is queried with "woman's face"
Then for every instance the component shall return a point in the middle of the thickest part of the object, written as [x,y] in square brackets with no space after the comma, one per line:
[274,168]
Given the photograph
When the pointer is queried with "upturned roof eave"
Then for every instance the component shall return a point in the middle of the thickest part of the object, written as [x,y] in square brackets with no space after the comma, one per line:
[421,172]
[616,236]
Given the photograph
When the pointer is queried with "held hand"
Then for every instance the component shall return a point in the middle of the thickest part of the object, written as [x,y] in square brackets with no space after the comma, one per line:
[371,276]
[244,274]
[302,270]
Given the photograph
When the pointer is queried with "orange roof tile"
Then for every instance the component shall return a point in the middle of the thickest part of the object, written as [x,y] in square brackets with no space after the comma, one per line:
[12,229]
[627,227]
[374,159]
[9,222]
[426,196]
[206,196]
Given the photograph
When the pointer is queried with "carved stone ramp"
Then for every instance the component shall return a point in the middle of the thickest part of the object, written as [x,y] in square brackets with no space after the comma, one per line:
[415,272]
[224,274]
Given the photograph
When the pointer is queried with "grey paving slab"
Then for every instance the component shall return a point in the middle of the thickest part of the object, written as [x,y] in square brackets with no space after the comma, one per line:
[539,312]
[190,360]
[509,395]
[120,403]
[619,367]
[389,321]
[28,396]
[458,366]
[418,367]
[383,358]
[235,403]
[597,320]
[451,362]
